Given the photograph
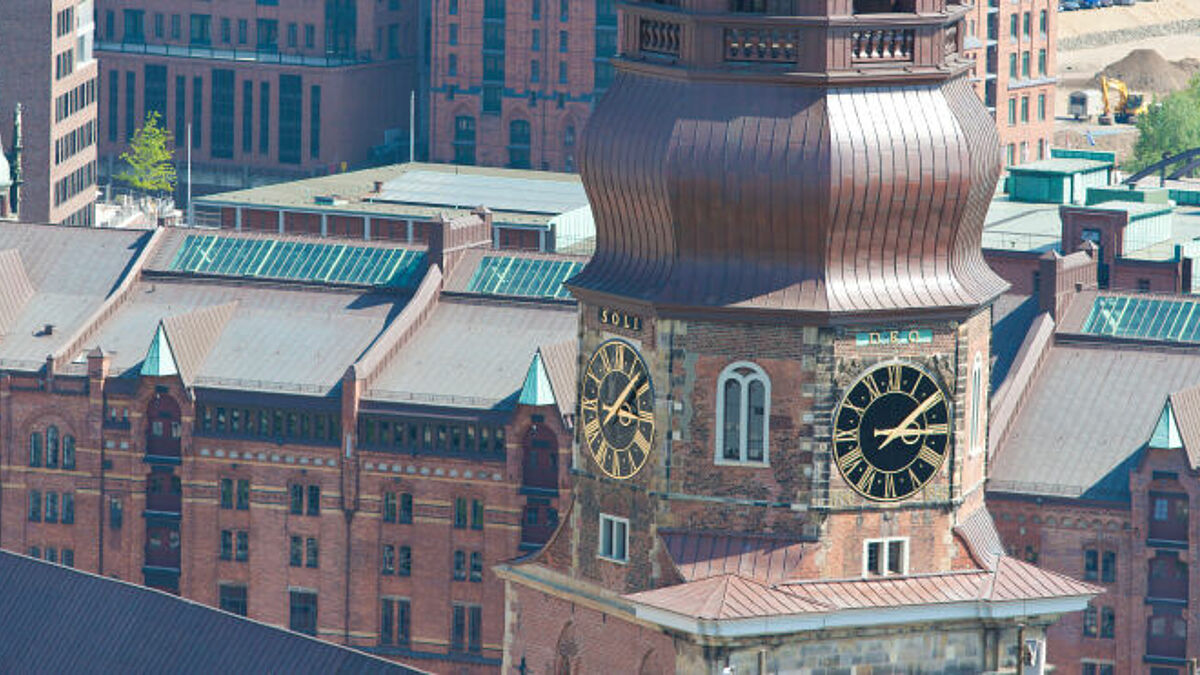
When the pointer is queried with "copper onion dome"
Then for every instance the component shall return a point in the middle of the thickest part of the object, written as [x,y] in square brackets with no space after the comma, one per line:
[801,156]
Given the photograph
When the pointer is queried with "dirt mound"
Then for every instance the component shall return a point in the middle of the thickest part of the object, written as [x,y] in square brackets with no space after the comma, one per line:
[1146,70]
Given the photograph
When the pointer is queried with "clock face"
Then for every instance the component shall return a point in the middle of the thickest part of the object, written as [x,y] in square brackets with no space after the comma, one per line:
[616,403]
[891,432]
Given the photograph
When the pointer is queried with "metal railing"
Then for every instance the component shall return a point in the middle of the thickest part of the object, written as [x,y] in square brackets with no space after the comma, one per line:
[249,55]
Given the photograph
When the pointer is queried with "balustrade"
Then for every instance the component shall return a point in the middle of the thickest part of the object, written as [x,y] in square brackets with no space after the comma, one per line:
[659,37]
[769,45]
[881,45]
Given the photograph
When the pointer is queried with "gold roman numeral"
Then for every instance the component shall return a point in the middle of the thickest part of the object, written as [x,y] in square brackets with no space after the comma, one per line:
[872,386]
[849,460]
[646,416]
[894,373]
[589,405]
[846,403]
[604,362]
[591,429]
[842,435]
[864,481]
[929,456]
[619,358]
[889,486]
[938,429]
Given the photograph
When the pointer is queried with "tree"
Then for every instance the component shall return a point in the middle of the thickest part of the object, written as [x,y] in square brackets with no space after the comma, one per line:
[149,158]
[1169,127]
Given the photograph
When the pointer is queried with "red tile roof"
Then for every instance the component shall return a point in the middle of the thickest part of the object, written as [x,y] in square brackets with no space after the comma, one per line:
[698,555]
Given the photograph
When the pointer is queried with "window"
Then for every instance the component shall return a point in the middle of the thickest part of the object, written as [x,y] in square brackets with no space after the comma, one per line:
[743,414]
[297,501]
[452,65]
[1089,622]
[564,10]
[1042,61]
[476,514]
[310,36]
[1091,564]
[562,72]
[389,507]
[882,557]
[302,614]
[197,111]
[452,7]
[1012,65]
[226,544]
[1092,668]
[975,435]
[264,147]
[242,554]
[201,29]
[452,37]
[116,513]
[1013,22]
[1024,109]
[466,628]
[311,553]
[35,449]
[68,557]
[404,561]
[1041,115]
[491,98]
[394,622]
[296,552]
[314,130]
[243,495]
[1042,22]
[460,513]
[68,508]
[226,30]
[221,120]
[614,538]
[266,35]
[51,507]
[227,493]
[389,560]
[68,462]
[460,566]
[314,500]
[232,598]
[476,566]
[1026,23]
[134,29]
[176,26]
[292,35]
[35,505]
[1025,65]
[243,31]
[1012,118]
[1108,567]
[535,40]
[290,113]
[52,447]
[1108,622]
[406,508]
[563,38]
[1160,509]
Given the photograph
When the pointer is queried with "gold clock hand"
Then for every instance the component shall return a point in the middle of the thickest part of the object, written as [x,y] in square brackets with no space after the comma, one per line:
[907,432]
[896,432]
[612,410]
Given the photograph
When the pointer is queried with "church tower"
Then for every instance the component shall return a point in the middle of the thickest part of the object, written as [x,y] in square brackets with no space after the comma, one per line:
[785,336]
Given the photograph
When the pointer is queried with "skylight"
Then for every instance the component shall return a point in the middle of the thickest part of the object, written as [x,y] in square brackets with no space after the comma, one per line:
[1145,319]
[527,277]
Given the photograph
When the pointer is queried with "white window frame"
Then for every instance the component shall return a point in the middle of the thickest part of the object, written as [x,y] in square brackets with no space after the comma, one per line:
[613,522]
[883,557]
[978,424]
[756,374]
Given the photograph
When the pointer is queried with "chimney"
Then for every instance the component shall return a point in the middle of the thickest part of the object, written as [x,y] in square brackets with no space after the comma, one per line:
[378,187]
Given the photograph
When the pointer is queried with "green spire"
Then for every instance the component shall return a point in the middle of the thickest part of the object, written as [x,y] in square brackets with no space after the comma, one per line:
[160,360]
[1166,432]
[536,390]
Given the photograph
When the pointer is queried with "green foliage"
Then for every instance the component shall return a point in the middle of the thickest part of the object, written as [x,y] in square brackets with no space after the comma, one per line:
[149,158]
[1170,127]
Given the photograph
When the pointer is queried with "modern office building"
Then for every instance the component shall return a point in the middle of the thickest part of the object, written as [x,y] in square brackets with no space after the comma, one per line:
[512,84]
[48,69]
[272,91]
[1013,44]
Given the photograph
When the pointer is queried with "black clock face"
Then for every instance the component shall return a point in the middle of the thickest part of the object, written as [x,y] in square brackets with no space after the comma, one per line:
[616,403]
[891,432]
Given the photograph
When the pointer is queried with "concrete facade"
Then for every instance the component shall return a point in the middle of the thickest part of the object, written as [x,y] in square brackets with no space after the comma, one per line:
[50,70]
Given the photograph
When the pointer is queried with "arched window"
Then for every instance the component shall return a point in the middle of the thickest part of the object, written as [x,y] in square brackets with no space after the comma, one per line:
[743,414]
[977,402]
[35,449]
[464,139]
[52,446]
[68,452]
[569,136]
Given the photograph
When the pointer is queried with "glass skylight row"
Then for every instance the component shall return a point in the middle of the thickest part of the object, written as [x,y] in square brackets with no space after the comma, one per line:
[1145,318]
[291,260]
[510,275]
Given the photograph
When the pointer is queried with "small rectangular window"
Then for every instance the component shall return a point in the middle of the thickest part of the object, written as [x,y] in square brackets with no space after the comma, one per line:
[460,513]
[1108,567]
[115,513]
[227,493]
[476,514]
[314,500]
[233,599]
[297,499]
[460,566]
[1089,622]
[35,505]
[614,538]
[404,561]
[311,553]
[51,507]
[476,566]
[406,508]
[68,508]
[226,545]
[302,614]
[885,557]
[389,507]
[296,552]
[389,560]
[243,495]
[1091,564]
[243,546]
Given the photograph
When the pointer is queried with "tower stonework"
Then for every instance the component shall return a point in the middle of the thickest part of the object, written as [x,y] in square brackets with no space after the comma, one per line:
[784,347]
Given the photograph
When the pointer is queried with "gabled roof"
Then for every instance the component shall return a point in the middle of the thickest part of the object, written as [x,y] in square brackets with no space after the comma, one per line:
[159,361]
[1185,406]
[193,335]
[1166,432]
[15,286]
[979,533]
[699,555]
[118,627]
[561,360]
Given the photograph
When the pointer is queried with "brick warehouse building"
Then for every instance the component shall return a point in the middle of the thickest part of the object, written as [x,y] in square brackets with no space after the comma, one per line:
[47,67]
[337,437]
[1014,45]
[512,84]
[780,456]
[273,91]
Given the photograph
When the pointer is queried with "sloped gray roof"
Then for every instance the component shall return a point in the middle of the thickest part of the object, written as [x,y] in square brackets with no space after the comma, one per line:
[472,353]
[1084,420]
[117,627]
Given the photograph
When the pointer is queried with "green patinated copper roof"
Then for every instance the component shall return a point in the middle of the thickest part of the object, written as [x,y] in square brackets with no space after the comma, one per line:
[160,360]
[298,261]
[1166,432]
[537,389]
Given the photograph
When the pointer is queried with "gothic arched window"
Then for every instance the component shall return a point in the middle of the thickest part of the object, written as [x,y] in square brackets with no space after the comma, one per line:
[52,446]
[743,414]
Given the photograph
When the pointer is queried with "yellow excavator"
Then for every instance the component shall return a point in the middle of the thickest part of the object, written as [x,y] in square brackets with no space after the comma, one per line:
[1126,106]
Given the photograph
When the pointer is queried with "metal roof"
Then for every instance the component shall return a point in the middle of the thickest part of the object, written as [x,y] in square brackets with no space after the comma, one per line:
[698,555]
[1061,166]
[330,262]
[502,193]
[118,627]
[472,353]
[1085,417]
